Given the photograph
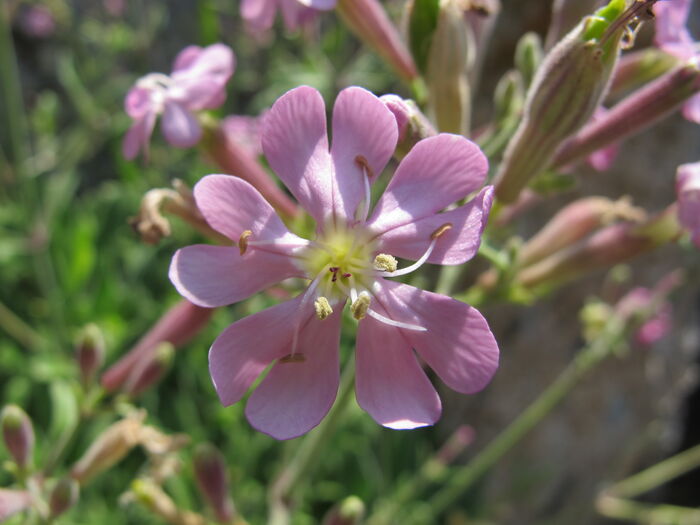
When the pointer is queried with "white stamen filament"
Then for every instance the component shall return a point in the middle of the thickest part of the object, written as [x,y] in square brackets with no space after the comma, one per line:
[420,262]
[398,324]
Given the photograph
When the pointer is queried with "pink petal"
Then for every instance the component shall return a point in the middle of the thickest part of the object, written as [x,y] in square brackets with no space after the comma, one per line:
[242,351]
[458,343]
[202,84]
[186,57]
[13,501]
[138,102]
[321,5]
[691,109]
[671,32]
[180,127]
[390,385]
[295,143]
[294,397]
[212,276]
[259,14]
[138,136]
[456,246]
[295,14]
[362,126]
[231,206]
[436,172]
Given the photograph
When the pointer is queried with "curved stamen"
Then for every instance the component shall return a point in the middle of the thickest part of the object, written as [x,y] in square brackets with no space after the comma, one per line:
[398,324]
[363,209]
[439,232]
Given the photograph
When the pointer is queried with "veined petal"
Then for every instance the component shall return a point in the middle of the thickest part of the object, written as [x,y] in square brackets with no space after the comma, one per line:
[458,343]
[295,396]
[180,127]
[436,172]
[242,351]
[456,246]
[231,206]
[362,126]
[390,384]
[138,136]
[295,143]
[211,276]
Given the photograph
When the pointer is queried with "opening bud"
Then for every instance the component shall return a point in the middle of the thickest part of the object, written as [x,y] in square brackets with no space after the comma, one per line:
[18,434]
[212,480]
[90,352]
[413,125]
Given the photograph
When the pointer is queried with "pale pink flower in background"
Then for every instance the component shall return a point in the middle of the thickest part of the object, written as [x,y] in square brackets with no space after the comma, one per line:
[198,82]
[259,15]
[659,323]
[245,131]
[351,258]
[672,36]
[688,192]
[36,21]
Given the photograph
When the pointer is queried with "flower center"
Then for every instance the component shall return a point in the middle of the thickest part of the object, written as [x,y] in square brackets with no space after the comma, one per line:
[341,259]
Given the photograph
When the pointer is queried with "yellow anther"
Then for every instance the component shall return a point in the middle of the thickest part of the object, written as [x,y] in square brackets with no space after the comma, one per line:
[243,241]
[385,262]
[361,161]
[293,358]
[441,231]
[323,308]
[360,306]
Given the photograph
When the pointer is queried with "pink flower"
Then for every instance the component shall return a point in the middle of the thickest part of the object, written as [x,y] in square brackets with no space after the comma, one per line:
[198,82]
[688,190]
[260,14]
[672,36]
[350,258]
[657,325]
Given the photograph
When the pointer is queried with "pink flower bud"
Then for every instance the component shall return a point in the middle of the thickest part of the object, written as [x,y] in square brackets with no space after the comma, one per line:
[177,326]
[412,123]
[368,20]
[18,434]
[148,372]
[212,480]
[63,496]
[90,352]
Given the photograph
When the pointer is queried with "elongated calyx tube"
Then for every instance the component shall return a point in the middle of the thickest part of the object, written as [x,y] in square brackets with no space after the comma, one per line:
[570,84]
[368,20]
[635,113]
[213,482]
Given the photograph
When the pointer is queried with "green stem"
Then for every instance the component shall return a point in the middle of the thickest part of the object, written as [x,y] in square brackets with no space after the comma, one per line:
[17,328]
[590,356]
[308,453]
[622,509]
[658,474]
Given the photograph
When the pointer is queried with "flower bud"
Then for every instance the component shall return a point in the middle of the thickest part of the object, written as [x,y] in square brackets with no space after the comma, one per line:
[655,313]
[480,17]
[212,480]
[573,222]
[449,94]
[149,371]
[566,91]
[63,496]
[90,352]
[607,247]
[13,501]
[18,434]
[528,56]
[509,96]
[638,68]
[108,449]
[177,326]
[350,511]
[633,114]
[154,498]
[413,125]
[688,191]
[368,20]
